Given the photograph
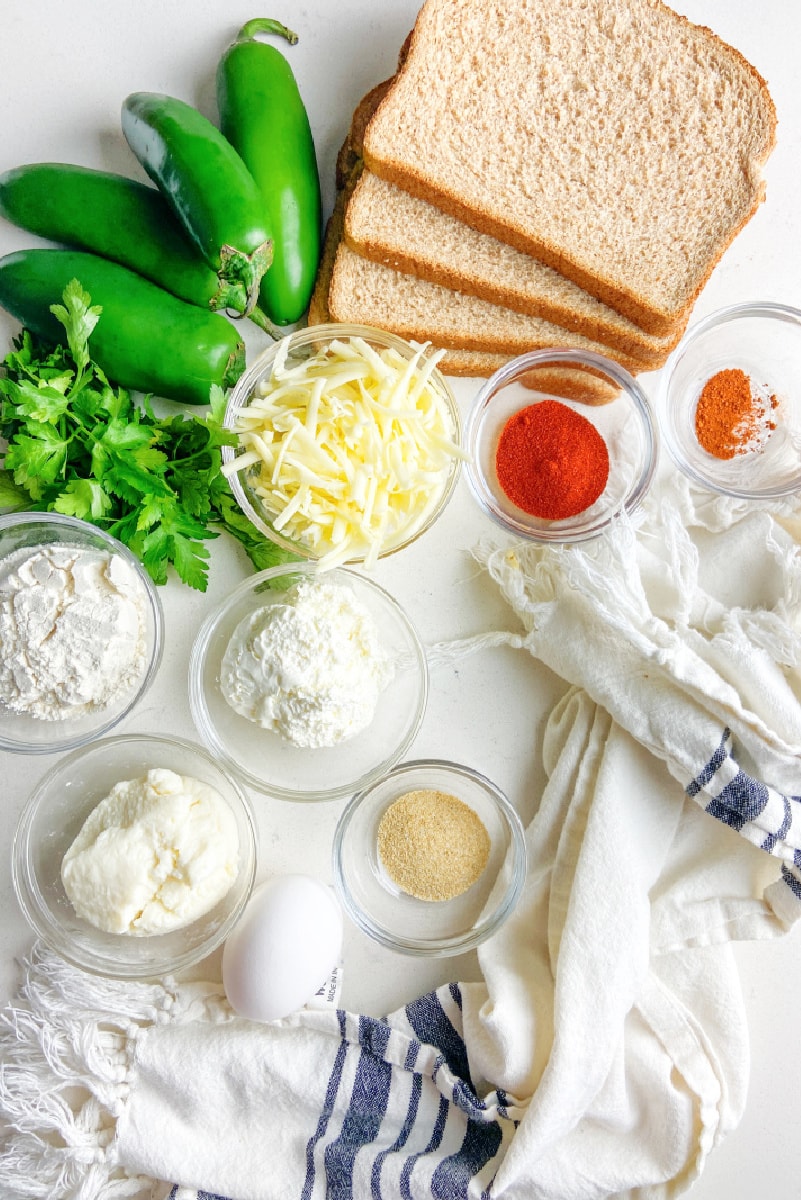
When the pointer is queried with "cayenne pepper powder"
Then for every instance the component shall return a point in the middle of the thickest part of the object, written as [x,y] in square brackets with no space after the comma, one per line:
[551,461]
[733,416]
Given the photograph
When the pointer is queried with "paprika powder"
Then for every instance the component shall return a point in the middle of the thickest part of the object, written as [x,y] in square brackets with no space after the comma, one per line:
[551,461]
[733,416]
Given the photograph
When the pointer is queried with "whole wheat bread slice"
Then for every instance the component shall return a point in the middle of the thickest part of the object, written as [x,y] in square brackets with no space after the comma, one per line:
[456,362]
[552,379]
[611,139]
[465,359]
[365,291]
[388,225]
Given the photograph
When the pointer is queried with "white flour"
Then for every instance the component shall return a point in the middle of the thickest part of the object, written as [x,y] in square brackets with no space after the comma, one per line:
[310,668]
[72,630]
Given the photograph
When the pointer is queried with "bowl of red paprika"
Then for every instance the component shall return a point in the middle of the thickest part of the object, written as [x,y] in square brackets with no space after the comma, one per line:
[553,465]
[729,403]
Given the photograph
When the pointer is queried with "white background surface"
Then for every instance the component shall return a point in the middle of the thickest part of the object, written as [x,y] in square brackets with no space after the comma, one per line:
[66,70]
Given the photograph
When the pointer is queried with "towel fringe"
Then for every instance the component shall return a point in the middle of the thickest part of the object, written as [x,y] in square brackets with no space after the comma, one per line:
[65,1056]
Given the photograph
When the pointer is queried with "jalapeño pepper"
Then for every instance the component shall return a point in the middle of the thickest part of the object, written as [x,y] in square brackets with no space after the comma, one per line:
[264,118]
[206,184]
[120,219]
[148,339]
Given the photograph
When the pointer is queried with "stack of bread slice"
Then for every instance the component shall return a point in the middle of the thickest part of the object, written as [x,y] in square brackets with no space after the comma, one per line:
[545,173]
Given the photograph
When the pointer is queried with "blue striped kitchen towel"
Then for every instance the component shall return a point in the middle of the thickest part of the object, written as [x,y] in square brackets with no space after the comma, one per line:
[110,1085]
[764,816]
[399,1131]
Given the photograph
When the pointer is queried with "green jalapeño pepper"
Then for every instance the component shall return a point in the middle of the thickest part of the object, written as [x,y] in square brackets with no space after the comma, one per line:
[205,182]
[148,339]
[263,116]
[120,219]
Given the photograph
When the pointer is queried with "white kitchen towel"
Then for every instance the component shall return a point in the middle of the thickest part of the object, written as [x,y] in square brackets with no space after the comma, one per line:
[612,1002]
[692,642]
[605,1051]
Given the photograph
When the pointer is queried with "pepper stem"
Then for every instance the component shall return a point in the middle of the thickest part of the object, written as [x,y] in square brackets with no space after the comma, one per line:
[245,271]
[260,318]
[230,297]
[265,25]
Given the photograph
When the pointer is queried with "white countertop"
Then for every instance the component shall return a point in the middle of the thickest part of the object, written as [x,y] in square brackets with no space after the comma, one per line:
[66,70]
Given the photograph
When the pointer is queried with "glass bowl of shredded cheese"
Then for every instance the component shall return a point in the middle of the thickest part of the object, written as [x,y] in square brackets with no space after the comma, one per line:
[729,402]
[349,443]
[134,856]
[429,859]
[308,684]
[81,631]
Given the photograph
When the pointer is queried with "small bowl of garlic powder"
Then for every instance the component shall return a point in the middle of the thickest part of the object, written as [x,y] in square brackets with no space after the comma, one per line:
[134,856]
[308,684]
[81,629]
[349,443]
[430,859]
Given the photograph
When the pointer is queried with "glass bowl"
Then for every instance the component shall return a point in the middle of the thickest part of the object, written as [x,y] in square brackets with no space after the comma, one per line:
[51,820]
[290,354]
[262,757]
[24,732]
[622,418]
[399,920]
[764,341]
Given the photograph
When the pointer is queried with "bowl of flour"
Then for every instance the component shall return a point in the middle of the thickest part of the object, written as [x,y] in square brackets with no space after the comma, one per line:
[80,630]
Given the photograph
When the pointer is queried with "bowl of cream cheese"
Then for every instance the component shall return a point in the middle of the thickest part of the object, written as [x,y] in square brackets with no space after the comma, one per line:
[80,629]
[134,856]
[307,684]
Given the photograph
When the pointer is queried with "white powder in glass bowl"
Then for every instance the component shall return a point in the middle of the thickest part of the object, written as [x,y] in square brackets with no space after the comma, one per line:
[72,630]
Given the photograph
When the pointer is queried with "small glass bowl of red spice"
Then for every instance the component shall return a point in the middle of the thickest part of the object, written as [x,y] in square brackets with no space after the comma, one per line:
[560,442]
[729,402]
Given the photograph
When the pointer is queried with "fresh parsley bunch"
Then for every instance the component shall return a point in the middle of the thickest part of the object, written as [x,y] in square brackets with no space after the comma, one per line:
[78,444]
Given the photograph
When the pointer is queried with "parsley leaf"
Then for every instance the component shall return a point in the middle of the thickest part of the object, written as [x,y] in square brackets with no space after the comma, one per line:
[36,459]
[12,498]
[78,319]
[84,498]
[78,444]
[44,403]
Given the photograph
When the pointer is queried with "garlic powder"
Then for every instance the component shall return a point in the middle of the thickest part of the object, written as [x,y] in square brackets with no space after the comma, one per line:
[310,667]
[72,630]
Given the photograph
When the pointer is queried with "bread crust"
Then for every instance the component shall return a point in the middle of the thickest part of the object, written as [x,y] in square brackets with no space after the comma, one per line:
[610,328]
[354,280]
[654,317]
[465,362]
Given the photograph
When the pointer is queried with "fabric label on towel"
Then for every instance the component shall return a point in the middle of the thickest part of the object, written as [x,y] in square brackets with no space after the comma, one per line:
[182,1193]
[328,994]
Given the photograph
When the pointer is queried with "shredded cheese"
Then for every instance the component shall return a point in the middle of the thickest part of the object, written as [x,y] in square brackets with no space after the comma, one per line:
[350,450]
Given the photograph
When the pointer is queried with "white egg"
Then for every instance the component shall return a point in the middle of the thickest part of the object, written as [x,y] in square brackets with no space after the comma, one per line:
[284,947]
